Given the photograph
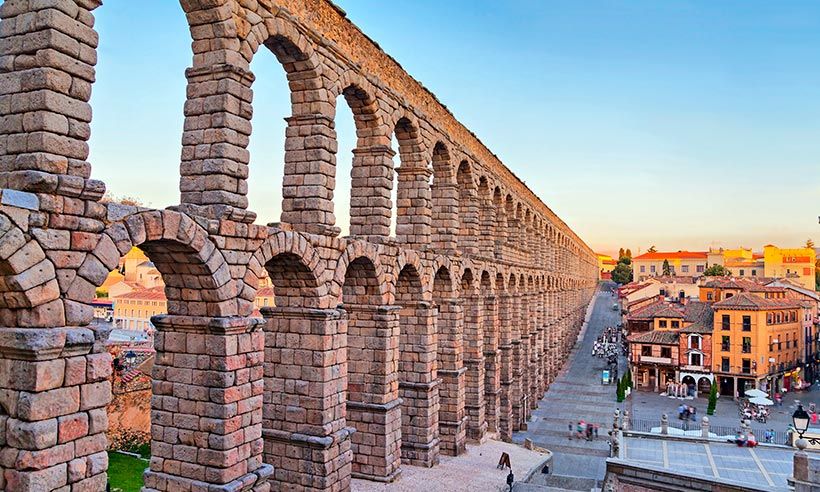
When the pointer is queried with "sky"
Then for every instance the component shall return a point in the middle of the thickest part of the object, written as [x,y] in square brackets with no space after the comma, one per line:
[683,124]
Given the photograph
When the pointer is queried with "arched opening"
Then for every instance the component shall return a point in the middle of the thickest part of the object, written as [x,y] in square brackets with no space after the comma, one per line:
[486,241]
[492,369]
[361,191]
[704,386]
[156,95]
[418,387]
[301,371]
[445,196]
[450,355]
[272,111]
[467,209]
[474,356]
[505,358]
[413,214]
[372,406]
[500,228]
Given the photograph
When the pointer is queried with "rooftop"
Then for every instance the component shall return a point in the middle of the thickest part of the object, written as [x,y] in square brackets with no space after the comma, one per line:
[670,255]
[749,301]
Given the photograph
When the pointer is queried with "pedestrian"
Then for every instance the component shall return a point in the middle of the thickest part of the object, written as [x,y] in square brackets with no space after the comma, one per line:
[595,428]
[589,432]
[768,435]
[814,418]
[570,430]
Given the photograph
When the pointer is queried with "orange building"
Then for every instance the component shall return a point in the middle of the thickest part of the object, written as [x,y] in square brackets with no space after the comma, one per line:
[757,341]
[133,310]
[681,263]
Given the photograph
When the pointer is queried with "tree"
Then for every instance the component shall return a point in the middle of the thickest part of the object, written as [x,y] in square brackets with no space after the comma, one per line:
[620,391]
[710,408]
[628,377]
[628,253]
[809,243]
[716,271]
[622,273]
[621,253]
[666,269]
[652,249]
[122,200]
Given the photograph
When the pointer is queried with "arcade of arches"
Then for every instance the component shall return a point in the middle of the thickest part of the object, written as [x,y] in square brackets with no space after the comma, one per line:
[380,352]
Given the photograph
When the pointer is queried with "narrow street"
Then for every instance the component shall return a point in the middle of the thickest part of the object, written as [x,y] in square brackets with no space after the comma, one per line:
[577,394]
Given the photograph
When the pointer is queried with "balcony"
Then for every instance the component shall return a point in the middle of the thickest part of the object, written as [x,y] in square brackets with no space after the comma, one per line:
[656,360]
[700,368]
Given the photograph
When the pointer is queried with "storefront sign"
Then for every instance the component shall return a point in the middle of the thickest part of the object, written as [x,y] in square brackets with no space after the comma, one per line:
[605,377]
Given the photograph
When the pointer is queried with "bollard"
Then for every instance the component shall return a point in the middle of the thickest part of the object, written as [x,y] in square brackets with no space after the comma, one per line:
[704,427]
[615,418]
[664,424]
[625,423]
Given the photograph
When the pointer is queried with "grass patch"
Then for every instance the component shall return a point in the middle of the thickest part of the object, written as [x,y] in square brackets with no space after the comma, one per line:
[125,472]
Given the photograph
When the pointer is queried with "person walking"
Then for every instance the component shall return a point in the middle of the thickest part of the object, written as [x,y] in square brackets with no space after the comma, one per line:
[570,426]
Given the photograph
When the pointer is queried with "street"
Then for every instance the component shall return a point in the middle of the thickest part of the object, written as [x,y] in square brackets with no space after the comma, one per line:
[577,394]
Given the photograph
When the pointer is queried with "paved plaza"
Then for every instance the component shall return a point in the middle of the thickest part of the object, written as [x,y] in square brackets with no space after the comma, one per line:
[475,470]
[764,467]
[577,394]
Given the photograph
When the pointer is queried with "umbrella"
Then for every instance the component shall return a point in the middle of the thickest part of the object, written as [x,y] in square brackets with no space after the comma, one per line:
[761,401]
[756,393]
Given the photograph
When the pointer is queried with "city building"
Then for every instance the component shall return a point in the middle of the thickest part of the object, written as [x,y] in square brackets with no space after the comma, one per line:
[133,310]
[681,263]
[677,348]
[757,341]
[741,262]
[606,264]
[796,264]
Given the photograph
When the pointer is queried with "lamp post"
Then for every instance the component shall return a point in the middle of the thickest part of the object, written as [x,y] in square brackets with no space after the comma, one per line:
[800,420]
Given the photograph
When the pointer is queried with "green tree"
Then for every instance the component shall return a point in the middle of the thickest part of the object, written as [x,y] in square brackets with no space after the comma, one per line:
[652,249]
[666,269]
[629,378]
[716,271]
[620,391]
[710,408]
[809,243]
[622,273]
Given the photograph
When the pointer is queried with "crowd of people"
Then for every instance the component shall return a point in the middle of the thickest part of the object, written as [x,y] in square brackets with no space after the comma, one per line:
[686,412]
[583,430]
[610,343]
[750,411]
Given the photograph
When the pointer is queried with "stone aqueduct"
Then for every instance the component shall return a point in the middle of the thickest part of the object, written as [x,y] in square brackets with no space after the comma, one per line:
[380,351]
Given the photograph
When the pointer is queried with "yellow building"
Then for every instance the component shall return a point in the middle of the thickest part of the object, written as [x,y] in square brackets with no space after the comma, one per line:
[133,310]
[606,264]
[757,341]
[795,264]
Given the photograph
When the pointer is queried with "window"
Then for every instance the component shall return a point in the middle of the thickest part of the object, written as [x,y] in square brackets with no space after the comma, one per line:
[724,322]
[694,359]
[643,268]
[769,318]
[663,292]
[675,323]
[646,350]
[662,323]
[724,364]
[684,268]
[652,268]
[746,367]
[754,273]
[742,272]
[708,296]
[666,352]
[701,268]
[694,342]
[747,345]
[729,294]
[747,323]
[725,342]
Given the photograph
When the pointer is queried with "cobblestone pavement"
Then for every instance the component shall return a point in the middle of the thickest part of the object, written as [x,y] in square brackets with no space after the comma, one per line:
[577,394]
[471,472]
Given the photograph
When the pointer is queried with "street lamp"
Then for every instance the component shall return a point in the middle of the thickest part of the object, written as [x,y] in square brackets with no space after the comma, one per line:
[800,419]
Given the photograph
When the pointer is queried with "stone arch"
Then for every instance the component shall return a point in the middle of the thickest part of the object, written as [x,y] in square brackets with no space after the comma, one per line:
[445,197]
[197,278]
[468,215]
[354,251]
[413,195]
[409,257]
[295,268]
[29,289]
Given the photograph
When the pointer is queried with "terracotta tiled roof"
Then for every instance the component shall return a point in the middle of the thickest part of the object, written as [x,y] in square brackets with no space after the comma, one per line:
[659,337]
[754,302]
[660,309]
[741,284]
[265,292]
[676,255]
[151,294]
[699,316]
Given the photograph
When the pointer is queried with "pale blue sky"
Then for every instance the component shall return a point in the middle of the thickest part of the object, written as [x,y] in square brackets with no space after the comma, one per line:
[681,124]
